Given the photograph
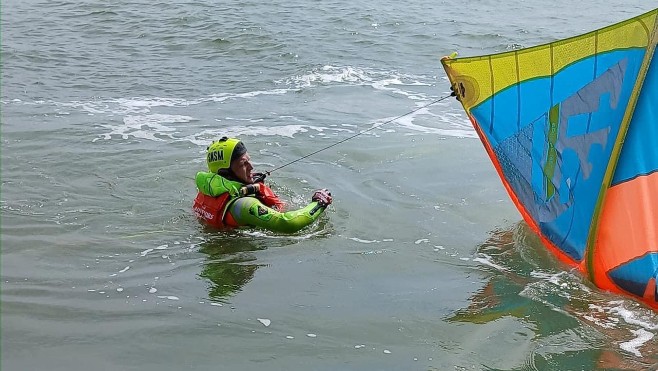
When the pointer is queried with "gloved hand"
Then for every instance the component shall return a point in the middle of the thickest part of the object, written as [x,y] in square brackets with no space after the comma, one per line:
[258,177]
[323,197]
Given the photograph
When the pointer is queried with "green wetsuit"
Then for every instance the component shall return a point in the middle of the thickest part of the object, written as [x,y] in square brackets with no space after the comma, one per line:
[250,211]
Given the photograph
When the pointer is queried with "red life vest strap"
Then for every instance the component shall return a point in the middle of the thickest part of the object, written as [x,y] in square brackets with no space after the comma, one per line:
[266,195]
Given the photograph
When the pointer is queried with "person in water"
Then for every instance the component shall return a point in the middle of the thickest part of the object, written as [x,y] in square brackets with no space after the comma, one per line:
[230,195]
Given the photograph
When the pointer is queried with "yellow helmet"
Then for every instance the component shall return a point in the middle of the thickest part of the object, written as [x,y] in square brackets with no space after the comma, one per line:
[221,152]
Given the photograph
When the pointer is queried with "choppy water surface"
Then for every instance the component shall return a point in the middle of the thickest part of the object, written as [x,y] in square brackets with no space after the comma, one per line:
[421,263]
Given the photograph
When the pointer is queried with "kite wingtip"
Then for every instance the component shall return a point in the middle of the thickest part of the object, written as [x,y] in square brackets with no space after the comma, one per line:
[452,55]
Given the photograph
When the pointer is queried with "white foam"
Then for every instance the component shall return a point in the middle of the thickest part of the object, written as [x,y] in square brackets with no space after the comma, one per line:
[327,75]
[607,316]
[488,260]
[139,121]
[378,79]
[392,82]
[554,278]
[287,131]
[142,105]
[632,346]
[362,240]
[169,297]
[226,96]
[632,317]
[460,127]
[150,127]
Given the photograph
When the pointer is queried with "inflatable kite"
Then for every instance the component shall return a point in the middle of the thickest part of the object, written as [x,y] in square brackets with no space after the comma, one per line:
[572,129]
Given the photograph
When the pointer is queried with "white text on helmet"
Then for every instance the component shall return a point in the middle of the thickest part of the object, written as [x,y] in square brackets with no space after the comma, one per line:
[215,156]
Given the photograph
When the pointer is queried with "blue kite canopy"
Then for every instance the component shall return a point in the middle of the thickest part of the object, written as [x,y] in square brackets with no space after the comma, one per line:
[572,129]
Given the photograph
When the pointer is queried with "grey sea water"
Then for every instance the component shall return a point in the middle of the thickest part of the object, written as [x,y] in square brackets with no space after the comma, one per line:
[421,263]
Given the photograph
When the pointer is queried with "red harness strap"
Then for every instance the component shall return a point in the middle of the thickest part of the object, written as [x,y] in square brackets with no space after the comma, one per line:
[267,196]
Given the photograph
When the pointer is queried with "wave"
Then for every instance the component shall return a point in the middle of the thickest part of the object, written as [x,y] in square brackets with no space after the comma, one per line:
[173,119]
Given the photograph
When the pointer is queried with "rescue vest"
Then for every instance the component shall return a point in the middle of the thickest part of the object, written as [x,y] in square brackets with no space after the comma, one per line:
[213,210]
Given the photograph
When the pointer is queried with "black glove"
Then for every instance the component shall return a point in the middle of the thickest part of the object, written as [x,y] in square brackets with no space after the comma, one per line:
[323,197]
[258,177]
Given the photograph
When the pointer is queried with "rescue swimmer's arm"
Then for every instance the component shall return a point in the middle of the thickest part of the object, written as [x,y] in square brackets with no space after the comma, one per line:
[250,211]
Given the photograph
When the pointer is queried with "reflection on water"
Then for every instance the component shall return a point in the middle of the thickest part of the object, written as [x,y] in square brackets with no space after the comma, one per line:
[502,295]
[230,263]
[563,311]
